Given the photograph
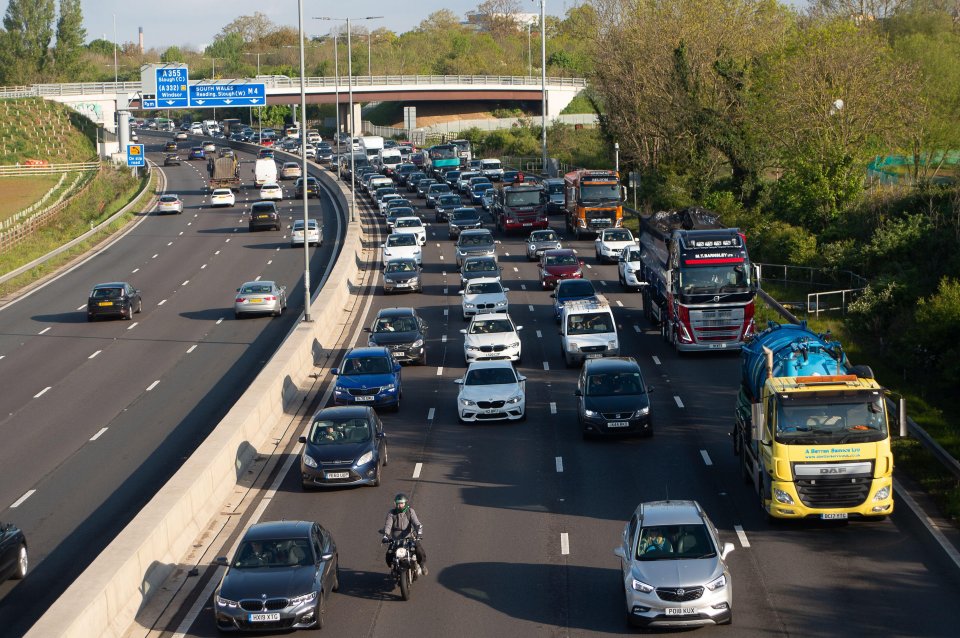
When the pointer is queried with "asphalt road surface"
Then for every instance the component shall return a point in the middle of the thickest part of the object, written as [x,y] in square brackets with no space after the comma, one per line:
[95,417]
[521,519]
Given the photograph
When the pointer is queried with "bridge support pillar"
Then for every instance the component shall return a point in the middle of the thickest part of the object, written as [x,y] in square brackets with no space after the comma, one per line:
[123,129]
[345,118]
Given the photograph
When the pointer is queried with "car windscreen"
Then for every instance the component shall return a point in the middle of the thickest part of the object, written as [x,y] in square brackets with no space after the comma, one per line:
[366,365]
[631,254]
[484,288]
[402,239]
[590,323]
[476,240]
[395,324]
[401,266]
[168,198]
[561,260]
[480,265]
[222,191]
[465,216]
[523,198]
[409,223]
[273,553]
[490,326]
[450,200]
[671,542]
[614,383]
[617,235]
[438,188]
[333,431]
[490,376]
[543,235]
[106,293]
[256,289]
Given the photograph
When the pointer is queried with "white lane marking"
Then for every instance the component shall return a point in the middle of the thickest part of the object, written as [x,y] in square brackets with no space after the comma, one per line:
[153,385]
[678,401]
[603,283]
[523,286]
[44,330]
[440,371]
[269,261]
[191,348]
[589,266]
[185,283]
[90,357]
[515,269]
[619,303]
[430,414]
[417,469]
[656,359]
[98,434]
[218,252]
[181,232]
[507,254]
[20,500]
[134,270]
[559,463]
[546,366]
[444,273]
[161,302]
[539,335]
[227,241]
[438,245]
[204,266]
[742,535]
[42,392]
[82,307]
[191,223]
[133,325]
[441,256]
[564,543]
[443,339]
[2,356]
[446,291]
[258,277]
[706,458]
[278,249]
[169,243]
[636,328]
[530,307]
[155,256]
[446,311]
[553,407]
[219,321]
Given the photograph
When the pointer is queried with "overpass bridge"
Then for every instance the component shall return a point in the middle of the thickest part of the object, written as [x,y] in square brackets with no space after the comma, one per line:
[99,101]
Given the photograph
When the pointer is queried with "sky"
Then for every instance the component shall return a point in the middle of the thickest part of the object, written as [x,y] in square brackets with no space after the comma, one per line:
[196,22]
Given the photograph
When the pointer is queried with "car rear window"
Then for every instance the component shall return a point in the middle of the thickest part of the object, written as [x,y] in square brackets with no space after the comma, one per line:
[266,207]
[107,293]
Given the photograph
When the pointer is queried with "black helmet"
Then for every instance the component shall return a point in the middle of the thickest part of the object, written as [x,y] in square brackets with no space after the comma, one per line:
[401,501]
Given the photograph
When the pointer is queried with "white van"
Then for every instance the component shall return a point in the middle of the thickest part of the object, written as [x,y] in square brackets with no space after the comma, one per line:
[264,171]
[210,127]
[588,331]
[388,161]
[492,169]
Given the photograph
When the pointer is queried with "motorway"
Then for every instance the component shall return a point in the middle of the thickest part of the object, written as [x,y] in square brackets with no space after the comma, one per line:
[95,417]
[521,519]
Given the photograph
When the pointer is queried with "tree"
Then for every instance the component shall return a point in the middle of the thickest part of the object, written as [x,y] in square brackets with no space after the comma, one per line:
[70,38]
[172,54]
[251,29]
[858,10]
[100,47]
[228,51]
[24,52]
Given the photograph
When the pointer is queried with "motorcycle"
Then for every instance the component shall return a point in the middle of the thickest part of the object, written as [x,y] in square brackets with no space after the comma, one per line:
[404,565]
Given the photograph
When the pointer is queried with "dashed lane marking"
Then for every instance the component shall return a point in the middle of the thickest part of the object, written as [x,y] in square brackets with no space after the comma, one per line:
[161,302]
[153,385]
[417,469]
[23,498]
[219,321]
[706,458]
[99,434]
[90,357]
[44,330]
[133,325]
[430,414]
[530,306]
[546,366]
[191,348]
[42,392]
[564,543]
[742,535]
[656,359]
[440,371]
[155,256]
[443,338]
[678,401]
[559,460]
[619,303]
[134,270]
[553,407]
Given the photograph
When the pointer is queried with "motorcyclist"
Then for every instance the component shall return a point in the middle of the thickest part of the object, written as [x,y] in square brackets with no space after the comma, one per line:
[402,522]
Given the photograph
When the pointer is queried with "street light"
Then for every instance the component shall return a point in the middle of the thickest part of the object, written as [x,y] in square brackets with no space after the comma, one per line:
[543,83]
[336,89]
[304,175]
[353,124]
[257,53]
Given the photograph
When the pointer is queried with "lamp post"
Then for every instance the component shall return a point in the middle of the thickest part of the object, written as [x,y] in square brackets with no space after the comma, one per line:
[116,74]
[529,54]
[257,53]
[336,89]
[543,83]
[304,175]
[370,55]
[353,124]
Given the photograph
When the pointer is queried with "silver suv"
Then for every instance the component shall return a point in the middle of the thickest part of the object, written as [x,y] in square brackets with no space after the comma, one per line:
[673,569]
[475,243]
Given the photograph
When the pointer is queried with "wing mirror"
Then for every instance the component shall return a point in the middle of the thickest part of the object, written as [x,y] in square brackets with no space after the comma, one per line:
[221,560]
[727,548]
[335,371]
[458,381]
[463,331]
[619,552]
[519,328]
[578,392]
[553,295]
[302,439]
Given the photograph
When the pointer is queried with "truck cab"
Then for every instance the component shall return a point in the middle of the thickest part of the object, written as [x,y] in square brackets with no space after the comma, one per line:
[520,207]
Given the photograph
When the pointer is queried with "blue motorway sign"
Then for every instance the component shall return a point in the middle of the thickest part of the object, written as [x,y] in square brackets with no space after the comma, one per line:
[172,87]
[210,95]
[135,156]
[148,103]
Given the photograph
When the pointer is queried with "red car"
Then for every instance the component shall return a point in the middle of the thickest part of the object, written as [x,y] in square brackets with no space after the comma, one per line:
[559,264]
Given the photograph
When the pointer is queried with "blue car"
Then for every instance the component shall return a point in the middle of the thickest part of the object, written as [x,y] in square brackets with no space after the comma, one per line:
[368,376]
[476,193]
[197,153]
[571,290]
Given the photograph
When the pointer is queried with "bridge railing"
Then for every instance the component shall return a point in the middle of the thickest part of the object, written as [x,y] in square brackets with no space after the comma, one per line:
[111,88]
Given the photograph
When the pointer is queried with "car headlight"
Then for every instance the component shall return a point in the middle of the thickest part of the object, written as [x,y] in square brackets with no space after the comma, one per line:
[782,497]
[641,412]
[628,270]
[501,304]
[882,494]
[225,602]
[533,247]
[573,346]
[641,586]
[718,583]
[308,460]
[578,273]
[305,599]
[468,305]
[515,344]
[390,387]
[557,246]
[467,402]
[418,343]
[612,344]
[517,398]
[473,348]
[366,458]
[590,413]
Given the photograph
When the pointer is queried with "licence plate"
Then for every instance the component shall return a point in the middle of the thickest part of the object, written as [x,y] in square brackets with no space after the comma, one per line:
[263,617]
[834,516]
[618,424]
[680,611]
[491,411]
[105,303]
[403,285]
[717,346]
[333,475]
[594,355]
[256,300]
[527,224]
[364,398]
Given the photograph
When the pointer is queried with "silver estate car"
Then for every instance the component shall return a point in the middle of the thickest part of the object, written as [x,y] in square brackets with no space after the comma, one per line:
[260,297]
[672,567]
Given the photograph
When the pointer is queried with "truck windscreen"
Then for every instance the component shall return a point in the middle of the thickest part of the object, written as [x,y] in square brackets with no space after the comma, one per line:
[599,192]
[813,419]
[715,279]
[523,198]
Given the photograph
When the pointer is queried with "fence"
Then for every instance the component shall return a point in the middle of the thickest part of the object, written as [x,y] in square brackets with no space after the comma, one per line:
[18,233]
[810,276]
[455,127]
[10,221]
[47,169]
[815,306]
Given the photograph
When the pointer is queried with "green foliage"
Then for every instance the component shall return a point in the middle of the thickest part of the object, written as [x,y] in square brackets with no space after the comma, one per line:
[70,38]
[937,322]
[874,312]
[581,103]
[25,45]
[101,47]
[172,54]
[814,193]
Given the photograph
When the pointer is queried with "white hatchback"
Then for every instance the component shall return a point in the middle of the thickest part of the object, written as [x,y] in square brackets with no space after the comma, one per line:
[413,225]
[312,234]
[611,242]
[402,245]
[271,191]
[491,391]
[483,295]
[222,197]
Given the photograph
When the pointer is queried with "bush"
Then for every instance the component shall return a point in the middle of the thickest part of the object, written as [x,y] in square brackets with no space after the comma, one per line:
[937,323]
[778,242]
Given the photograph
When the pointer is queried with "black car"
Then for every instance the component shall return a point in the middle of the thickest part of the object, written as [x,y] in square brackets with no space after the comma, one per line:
[114,299]
[613,398]
[423,185]
[402,331]
[413,180]
[171,160]
[433,193]
[451,177]
[480,267]
[345,445]
[279,578]
[446,204]
[402,275]
[313,187]
[461,219]
[403,172]
[14,562]
[264,215]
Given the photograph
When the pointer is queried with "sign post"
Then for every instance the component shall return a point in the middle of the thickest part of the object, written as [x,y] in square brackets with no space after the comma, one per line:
[410,121]
[135,157]
[634,181]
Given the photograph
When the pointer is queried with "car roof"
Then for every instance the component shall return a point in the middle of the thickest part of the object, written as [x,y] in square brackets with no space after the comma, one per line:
[612,364]
[396,312]
[559,251]
[251,283]
[476,231]
[486,316]
[278,529]
[111,284]
[473,258]
[670,513]
[410,217]
[222,191]
[494,363]
[367,351]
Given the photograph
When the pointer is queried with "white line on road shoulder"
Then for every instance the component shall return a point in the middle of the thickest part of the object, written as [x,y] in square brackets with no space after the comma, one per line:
[656,359]
[42,392]
[706,457]
[153,385]
[440,371]
[191,348]
[678,401]
[546,366]
[90,357]
[559,463]
[20,500]
[98,434]
[417,469]
[742,535]
[564,543]
[44,330]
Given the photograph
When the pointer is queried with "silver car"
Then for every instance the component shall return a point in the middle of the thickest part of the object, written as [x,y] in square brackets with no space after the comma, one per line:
[541,240]
[672,567]
[260,297]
